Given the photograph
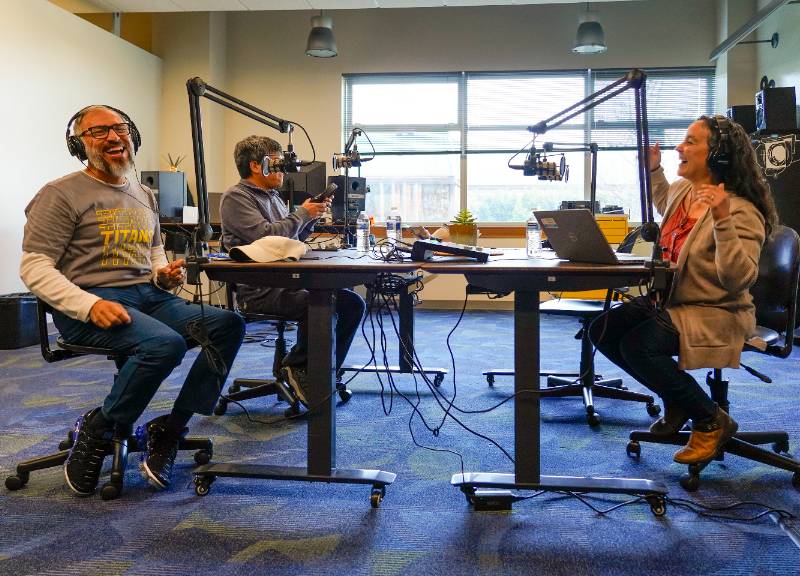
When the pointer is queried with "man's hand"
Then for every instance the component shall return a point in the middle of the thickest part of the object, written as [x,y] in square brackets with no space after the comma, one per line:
[716,198]
[172,275]
[106,314]
[654,153]
[317,209]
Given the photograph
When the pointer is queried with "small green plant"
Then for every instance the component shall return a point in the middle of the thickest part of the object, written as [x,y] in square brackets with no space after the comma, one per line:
[173,163]
[464,217]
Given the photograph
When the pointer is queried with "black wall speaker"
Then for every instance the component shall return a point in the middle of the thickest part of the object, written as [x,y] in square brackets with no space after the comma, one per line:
[356,197]
[745,116]
[775,110]
[170,190]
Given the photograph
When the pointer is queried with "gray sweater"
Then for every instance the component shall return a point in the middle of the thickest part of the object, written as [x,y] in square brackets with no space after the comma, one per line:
[248,213]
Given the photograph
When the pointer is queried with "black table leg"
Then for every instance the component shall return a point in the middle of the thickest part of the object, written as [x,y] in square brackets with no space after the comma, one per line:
[527,440]
[321,458]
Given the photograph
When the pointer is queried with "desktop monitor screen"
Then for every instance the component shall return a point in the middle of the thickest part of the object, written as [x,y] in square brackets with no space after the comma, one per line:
[306,182]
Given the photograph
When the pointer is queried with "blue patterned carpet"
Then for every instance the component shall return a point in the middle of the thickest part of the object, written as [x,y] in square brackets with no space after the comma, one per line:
[424,526]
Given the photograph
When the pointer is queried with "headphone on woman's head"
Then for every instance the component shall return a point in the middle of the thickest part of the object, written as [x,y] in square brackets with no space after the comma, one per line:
[719,157]
[75,144]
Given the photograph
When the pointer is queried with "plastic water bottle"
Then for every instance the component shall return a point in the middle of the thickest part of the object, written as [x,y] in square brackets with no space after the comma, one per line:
[362,232]
[533,237]
[394,225]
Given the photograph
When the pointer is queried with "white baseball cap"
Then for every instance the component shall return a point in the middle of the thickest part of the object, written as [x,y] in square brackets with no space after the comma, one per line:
[269,249]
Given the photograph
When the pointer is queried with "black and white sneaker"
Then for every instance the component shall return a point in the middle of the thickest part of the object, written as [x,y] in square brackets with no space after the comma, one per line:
[85,461]
[297,378]
[162,448]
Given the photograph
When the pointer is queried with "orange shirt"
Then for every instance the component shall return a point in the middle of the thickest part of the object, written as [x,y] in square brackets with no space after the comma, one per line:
[674,232]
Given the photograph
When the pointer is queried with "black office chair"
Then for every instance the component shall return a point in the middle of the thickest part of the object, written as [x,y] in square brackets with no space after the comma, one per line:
[586,382]
[775,296]
[246,388]
[124,441]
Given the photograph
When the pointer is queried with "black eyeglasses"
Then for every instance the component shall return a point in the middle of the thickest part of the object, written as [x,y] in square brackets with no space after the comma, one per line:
[101,132]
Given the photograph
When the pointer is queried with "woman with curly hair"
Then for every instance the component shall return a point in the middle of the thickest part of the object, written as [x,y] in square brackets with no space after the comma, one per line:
[716,217]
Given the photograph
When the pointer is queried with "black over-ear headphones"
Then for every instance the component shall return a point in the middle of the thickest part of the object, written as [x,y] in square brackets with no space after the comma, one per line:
[719,157]
[75,144]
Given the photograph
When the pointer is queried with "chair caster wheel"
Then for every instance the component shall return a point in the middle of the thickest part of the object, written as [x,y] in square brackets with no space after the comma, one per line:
[593,418]
[634,449]
[345,394]
[781,447]
[16,481]
[202,457]
[469,494]
[202,484]
[658,505]
[110,491]
[438,379]
[221,407]
[690,482]
[376,497]
[490,380]
[292,411]
[67,443]
[653,409]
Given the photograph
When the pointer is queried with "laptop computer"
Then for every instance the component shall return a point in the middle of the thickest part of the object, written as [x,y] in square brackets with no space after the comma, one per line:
[575,236]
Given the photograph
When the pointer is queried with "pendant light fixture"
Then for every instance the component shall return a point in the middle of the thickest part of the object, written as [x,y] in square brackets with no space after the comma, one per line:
[590,38]
[320,40]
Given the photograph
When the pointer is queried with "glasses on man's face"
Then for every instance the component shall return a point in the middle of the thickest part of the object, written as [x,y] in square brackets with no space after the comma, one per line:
[101,132]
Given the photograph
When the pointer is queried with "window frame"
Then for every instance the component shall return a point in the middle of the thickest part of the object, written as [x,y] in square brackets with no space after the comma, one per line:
[591,76]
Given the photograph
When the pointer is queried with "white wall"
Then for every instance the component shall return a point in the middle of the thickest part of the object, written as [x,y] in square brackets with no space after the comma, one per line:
[53,64]
[781,64]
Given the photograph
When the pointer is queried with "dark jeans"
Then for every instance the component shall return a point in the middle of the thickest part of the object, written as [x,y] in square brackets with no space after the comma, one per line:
[293,305]
[155,342]
[643,342]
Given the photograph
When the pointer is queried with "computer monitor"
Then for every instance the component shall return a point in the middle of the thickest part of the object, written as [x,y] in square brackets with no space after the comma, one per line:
[306,182]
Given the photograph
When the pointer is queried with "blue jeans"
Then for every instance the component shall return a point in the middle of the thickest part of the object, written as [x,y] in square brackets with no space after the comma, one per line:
[293,305]
[155,342]
[643,341]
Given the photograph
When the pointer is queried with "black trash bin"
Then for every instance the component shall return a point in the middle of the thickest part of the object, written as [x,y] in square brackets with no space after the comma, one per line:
[18,324]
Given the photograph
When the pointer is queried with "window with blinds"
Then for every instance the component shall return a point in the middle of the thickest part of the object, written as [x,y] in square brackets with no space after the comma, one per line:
[444,141]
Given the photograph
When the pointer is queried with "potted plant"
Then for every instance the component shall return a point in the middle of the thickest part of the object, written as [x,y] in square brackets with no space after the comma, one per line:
[463,229]
[173,164]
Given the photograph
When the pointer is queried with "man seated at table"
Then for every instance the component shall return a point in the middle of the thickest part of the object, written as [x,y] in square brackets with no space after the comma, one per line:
[252,209]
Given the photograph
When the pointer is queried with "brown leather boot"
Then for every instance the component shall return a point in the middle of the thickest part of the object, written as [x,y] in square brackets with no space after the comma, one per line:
[671,422]
[706,441]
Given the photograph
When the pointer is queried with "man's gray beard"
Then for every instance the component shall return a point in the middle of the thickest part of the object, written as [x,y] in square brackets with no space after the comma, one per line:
[116,169]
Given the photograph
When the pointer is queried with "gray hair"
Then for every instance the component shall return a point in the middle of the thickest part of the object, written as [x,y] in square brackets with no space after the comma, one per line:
[253,149]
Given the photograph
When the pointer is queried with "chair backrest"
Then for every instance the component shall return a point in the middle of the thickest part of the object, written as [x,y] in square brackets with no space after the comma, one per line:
[48,353]
[775,291]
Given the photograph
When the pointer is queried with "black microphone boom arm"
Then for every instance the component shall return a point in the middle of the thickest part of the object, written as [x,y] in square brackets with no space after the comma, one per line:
[634,80]
[197,89]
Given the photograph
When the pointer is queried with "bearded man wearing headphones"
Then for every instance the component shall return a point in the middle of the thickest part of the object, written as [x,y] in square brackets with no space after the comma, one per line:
[92,250]
[716,217]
